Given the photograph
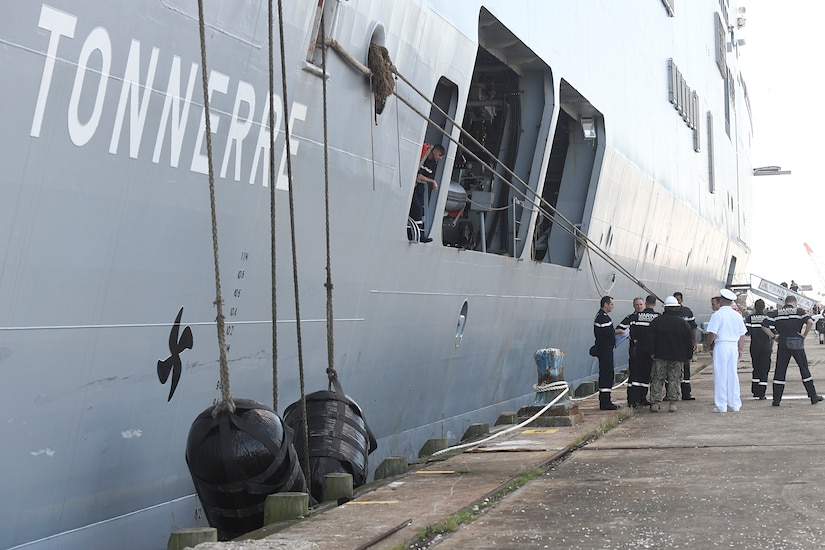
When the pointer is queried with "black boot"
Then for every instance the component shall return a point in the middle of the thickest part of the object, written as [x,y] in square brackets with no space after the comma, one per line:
[778,390]
[755,389]
[686,392]
[633,399]
[643,397]
[809,387]
[605,403]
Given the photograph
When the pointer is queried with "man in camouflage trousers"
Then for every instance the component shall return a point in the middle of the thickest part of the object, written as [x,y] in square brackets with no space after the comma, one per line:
[672,344]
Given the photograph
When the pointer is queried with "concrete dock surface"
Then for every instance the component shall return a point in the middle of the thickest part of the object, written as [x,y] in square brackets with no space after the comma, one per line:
[619,479]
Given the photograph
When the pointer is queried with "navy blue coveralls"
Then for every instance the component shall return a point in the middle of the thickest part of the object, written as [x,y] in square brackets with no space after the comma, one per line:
[641,349]
[788,321]
[421,188]
[605,342]
[760,349]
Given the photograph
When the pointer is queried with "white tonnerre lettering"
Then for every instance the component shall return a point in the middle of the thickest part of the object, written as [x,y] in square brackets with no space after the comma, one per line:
[143,101]
[217,82]
[239,127]
[58,24]
[175,112]
[299,112]
[97,41]
[130,93]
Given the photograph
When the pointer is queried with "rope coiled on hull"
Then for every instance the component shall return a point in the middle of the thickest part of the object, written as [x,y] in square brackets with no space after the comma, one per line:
[383,83]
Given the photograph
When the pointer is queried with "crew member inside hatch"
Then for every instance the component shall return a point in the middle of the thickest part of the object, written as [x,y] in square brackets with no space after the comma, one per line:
[424,178]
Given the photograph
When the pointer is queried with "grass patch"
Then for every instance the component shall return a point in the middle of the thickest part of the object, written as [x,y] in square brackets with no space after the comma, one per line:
[469,515]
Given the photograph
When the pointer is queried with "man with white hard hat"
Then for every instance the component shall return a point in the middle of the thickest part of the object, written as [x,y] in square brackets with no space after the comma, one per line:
[726,338]
[672,345]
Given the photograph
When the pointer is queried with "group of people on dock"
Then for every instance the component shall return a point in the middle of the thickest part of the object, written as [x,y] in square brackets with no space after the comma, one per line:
[662,346]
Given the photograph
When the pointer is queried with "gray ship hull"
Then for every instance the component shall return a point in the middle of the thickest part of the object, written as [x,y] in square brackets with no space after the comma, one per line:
[106,234]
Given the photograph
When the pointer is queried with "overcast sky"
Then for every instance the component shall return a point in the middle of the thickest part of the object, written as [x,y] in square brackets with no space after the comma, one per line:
[784,74]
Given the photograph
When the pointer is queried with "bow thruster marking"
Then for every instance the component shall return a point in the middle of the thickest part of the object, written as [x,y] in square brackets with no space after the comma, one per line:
[173,363]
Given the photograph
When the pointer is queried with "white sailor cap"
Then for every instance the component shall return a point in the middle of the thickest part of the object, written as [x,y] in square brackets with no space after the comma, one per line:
[727,294]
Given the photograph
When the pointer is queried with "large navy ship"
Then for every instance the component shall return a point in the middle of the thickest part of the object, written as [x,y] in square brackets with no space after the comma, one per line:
[592,147]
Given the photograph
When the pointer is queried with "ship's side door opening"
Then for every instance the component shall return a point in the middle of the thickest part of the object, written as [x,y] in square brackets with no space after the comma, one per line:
[512,191]
[445,98]
[569,181]
[508,114]
[731,272]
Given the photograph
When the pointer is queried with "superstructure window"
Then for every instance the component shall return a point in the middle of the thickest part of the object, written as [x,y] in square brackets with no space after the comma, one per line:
[731,271]
[721,46]
[694,109]
[711,172]
[575,155]
[684,100]
[728,93]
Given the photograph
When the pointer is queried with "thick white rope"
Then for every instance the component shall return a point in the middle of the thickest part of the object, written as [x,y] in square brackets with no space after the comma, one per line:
[557,385]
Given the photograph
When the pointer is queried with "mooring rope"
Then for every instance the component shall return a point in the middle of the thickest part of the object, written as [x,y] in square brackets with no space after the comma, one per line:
[374,116]
[398,149]
[226,395]
[292,237]
[383,82]
[553,386]
[559,385]
[331,374]
[272,181]
[595,393]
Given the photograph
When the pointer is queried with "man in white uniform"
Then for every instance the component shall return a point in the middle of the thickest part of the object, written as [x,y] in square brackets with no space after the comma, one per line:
[726,339]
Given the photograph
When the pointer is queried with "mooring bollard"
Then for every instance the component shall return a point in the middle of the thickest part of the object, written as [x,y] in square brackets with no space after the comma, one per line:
[475,431]
[550,386]
[337,486]
[551,377]
[285,506]
[432,446]
[507,417]
[392,466]
[191,537]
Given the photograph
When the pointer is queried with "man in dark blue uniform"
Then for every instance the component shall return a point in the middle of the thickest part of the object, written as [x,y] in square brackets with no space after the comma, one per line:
[638,306]
[820,329]
[792,325]
[425,178]
[605,342]
[760,348]
[687,314]
[641,349]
